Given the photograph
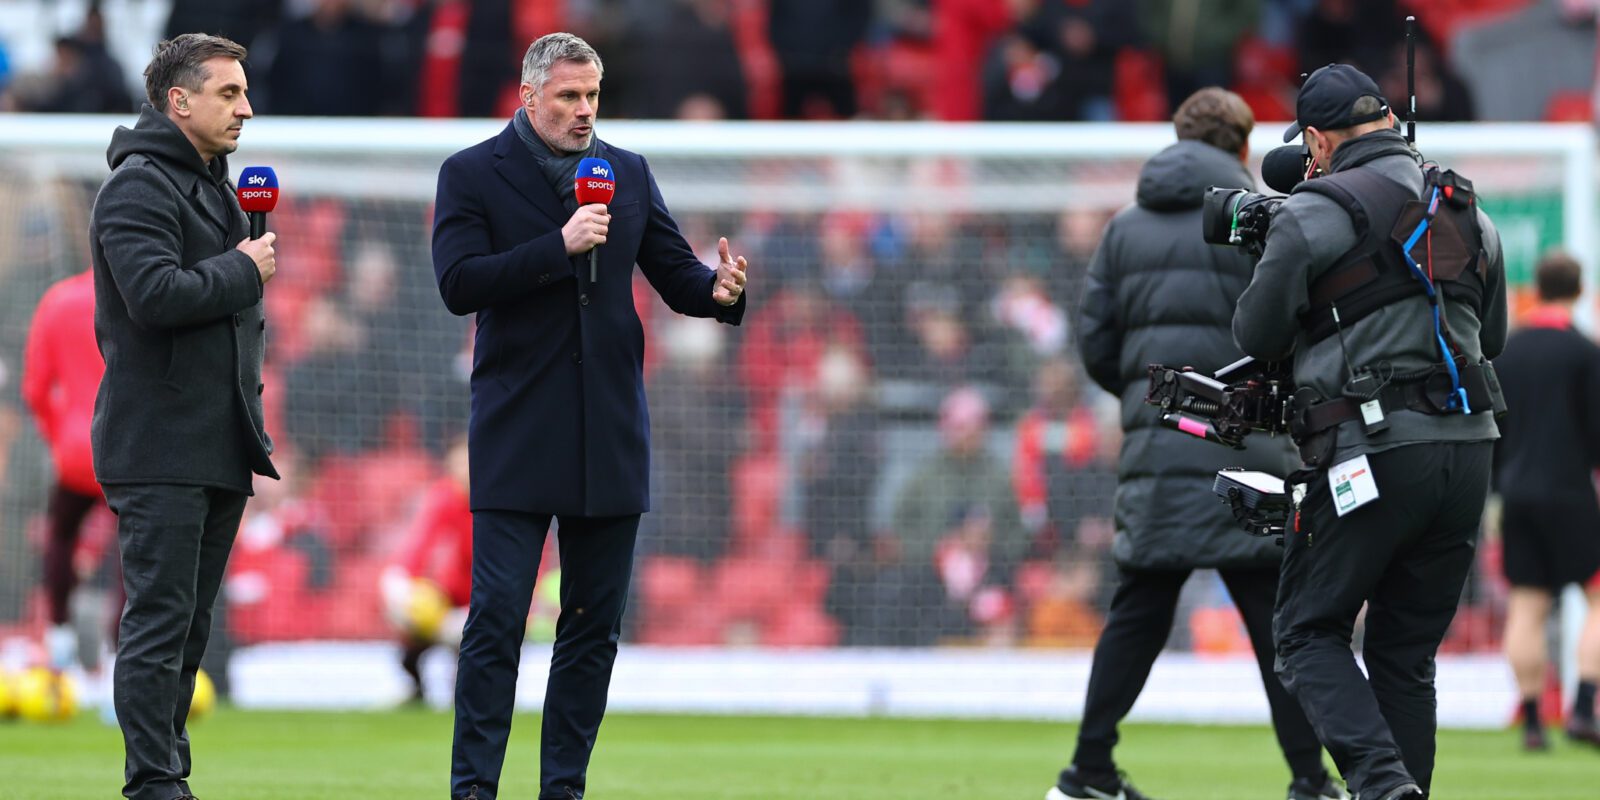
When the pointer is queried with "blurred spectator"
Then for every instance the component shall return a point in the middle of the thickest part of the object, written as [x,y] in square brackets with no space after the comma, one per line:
[1059,62]
[1441,96]
[697,421]
[957,529]
[1022,81]
[814,40]
[1196,38]
[943,353]
[1356,32]
[1028,327]
[851,279]
[963,32]
[426,588]
[84,78]
[1063,613]
[323,64]
[1061,478]
[1077,234]
[782,348]
[342,391]
[688,65]
[283,558]
[239,20]
[840,459]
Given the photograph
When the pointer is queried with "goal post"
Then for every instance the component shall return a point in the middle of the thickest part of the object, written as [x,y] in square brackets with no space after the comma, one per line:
[910,258]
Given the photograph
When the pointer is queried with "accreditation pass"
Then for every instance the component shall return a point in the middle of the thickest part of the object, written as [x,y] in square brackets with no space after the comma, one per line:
[1352,485]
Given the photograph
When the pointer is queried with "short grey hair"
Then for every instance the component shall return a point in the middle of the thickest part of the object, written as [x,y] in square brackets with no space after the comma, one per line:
[554,48]
[1366,105]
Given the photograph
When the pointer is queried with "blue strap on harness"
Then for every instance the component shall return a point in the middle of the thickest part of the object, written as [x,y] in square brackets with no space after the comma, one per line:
[1458,395]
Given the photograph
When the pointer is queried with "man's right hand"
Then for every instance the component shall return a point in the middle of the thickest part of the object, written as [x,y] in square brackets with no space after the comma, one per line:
[261,252]
[587,228]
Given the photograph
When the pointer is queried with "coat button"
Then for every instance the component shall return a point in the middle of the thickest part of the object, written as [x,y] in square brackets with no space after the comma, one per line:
[263,324]
[237,321]
[544,278]
[583,299]
[260,387]
[576,359]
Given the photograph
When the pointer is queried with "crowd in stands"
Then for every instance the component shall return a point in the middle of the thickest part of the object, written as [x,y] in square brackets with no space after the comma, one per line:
[1019,60]
[897,448]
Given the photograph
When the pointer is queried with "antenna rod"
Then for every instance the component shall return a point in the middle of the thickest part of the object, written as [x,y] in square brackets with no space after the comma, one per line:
[1411,80]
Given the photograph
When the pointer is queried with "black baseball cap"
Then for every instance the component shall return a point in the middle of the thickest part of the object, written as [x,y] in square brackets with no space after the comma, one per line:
[1328,98]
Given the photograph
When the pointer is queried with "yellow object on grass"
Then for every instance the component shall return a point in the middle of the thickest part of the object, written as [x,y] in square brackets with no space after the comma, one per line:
[46,696]
[205,697]
[426,609]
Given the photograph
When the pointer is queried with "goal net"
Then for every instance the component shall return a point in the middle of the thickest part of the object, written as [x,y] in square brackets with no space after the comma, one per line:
[912,286]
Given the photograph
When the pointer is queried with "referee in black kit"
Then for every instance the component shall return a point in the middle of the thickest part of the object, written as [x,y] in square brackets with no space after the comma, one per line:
[1550,519]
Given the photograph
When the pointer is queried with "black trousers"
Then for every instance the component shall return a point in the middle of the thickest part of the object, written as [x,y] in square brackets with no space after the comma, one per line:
[1406,555]
[596,566]
[175,542]
[1137,628]
[66,511]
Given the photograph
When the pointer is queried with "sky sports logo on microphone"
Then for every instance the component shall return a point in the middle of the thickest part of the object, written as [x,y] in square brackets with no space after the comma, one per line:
[594,182]
[258,189]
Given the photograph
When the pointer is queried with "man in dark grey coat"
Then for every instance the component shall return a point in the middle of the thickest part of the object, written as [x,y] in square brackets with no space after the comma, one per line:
[1397,440]
[177,430]
[1157,293]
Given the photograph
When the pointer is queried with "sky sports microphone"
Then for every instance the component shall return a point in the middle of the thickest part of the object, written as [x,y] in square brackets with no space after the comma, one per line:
[594,183]
[258,194]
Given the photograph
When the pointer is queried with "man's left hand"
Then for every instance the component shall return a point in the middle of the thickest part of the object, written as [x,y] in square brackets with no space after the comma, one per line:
[730,276]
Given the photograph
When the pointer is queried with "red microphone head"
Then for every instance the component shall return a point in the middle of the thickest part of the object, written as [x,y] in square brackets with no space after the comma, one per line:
[595,182]
[258,189]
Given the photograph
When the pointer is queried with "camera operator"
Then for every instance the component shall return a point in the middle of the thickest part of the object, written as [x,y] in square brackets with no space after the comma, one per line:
[1395,405]
[1156,292]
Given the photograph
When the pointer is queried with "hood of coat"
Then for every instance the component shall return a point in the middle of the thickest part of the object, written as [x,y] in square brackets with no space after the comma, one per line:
[1176,178]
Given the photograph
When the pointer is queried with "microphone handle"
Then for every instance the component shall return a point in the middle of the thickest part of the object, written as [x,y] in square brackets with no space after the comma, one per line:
[594,259]
[258,224]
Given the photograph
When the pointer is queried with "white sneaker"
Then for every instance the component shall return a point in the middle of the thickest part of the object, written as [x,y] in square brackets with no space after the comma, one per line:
[61,646]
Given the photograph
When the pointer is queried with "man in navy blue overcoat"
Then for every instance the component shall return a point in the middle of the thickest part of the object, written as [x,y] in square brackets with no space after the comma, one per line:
[559,426]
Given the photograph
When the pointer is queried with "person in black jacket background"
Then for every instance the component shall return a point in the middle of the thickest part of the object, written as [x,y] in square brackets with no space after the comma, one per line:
[177,430]
[1157,293]
[1550,520]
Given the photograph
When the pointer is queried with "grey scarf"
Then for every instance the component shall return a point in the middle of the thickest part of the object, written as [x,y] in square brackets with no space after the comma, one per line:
[558,168]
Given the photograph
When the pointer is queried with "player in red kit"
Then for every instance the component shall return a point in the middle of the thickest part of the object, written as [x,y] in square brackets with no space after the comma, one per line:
[425,591]
[61,370]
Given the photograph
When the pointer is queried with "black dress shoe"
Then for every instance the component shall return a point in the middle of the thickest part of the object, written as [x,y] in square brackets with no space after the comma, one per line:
[1583,730]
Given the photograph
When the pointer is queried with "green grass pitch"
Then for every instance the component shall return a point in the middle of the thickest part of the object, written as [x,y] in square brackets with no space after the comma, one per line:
[251,755]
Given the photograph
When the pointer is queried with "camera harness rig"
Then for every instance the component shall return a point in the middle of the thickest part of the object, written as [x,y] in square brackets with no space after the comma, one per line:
[1383,268]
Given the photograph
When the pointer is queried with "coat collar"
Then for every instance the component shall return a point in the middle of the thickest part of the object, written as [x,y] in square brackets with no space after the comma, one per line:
[516,165]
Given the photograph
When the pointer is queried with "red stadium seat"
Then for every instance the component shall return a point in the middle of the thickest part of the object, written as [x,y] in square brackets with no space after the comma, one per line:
[755,505]
[749,588]
[1138,87]
[668,584]
[1569,106]
[800,624]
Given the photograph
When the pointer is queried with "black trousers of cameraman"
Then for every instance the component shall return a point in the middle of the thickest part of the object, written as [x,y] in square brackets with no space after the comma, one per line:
[1137,628]
[1405,555]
